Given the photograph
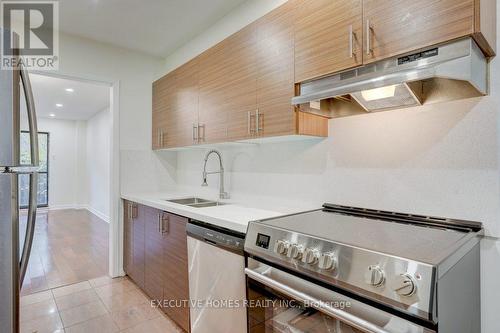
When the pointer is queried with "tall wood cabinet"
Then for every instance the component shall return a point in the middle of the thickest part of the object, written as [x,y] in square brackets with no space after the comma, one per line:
[155,258]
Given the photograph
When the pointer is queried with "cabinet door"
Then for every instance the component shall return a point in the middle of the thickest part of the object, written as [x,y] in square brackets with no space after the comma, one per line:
[138,246]
[240,95]
[328,35]
[213,85]
[275,68]
[153,277]
[163,125]
[127,238]
[185,112]
[176,285]
[394,27]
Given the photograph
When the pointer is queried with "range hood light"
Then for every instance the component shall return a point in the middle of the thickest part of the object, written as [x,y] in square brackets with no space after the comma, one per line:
[315,105]
[378,93]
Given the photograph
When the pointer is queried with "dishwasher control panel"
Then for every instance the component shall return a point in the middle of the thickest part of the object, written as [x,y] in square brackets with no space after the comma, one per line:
[216,236]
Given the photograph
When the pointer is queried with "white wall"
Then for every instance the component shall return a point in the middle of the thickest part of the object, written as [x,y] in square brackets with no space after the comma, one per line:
[440,160]
[63,161]
[79,163]
[240,17]
[97,164]
[134,72]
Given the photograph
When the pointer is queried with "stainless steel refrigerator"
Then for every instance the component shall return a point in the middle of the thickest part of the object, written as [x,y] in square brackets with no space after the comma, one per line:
[14,254]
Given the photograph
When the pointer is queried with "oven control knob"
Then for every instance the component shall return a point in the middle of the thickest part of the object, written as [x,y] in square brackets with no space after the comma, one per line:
[310,256]
[281,247]
[405,285]
[327,261]
[375,276]
[295,251]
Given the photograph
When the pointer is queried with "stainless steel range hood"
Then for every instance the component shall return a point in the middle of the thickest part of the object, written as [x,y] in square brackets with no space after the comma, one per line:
[455,70]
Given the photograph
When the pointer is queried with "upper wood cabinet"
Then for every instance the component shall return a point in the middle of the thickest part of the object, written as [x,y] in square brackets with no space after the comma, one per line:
[163,116]
[332,36]
[213,85]
[227,87]
[175,107]
[394,27]
[240,95]
[185,118]
[274,113]
[328,37]
[242,87]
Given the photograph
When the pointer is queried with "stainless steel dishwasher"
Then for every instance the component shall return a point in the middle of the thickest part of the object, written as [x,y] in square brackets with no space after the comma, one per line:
[217,289]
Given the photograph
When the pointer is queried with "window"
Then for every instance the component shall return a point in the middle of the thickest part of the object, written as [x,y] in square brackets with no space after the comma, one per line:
[43,175]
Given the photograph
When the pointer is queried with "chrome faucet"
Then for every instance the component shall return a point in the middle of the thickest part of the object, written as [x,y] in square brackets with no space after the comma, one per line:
[222,193]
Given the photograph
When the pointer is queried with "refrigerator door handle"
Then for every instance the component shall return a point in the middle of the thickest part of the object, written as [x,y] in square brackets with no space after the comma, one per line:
[33,191]
[19,170]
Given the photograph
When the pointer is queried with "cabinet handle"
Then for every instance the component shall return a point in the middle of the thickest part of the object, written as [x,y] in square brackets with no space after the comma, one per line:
[258,117]
[368,38]
[249,119]
[352,37]
[195,133]
[165,224]
[134,210]
[158,137]
[201,137]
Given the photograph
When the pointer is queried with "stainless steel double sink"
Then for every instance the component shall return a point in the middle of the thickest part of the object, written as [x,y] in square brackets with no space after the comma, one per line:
[196,202]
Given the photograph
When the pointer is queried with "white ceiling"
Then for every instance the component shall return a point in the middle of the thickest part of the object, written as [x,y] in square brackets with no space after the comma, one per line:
[85,101]
[155,27]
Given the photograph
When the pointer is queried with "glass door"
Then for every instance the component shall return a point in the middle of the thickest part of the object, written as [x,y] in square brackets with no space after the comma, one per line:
[43,175]
[281,302]
[272,312]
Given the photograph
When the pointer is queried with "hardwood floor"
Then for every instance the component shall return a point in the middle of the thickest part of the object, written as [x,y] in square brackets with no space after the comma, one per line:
[69,246]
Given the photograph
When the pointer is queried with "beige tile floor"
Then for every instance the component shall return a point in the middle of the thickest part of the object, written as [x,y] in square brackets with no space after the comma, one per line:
[100,305]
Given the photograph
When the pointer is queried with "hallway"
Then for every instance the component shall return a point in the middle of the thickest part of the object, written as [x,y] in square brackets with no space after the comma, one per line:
[69,246]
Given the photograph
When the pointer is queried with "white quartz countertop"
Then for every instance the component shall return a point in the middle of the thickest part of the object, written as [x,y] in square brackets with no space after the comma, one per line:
[232,215]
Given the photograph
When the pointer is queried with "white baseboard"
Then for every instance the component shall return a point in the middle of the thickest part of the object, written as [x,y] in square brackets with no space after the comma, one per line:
[61,207]
[94,211]
[97,213]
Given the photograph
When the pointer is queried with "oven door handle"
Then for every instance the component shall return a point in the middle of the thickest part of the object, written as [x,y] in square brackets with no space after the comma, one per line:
[315,303]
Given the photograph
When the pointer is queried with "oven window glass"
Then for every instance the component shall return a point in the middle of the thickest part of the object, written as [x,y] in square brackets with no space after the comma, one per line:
[270,311]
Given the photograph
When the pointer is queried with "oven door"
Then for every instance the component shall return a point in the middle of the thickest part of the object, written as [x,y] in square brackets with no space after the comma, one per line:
[282,302]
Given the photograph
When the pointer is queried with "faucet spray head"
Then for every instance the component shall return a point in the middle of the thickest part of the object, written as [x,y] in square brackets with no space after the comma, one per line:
[204,179]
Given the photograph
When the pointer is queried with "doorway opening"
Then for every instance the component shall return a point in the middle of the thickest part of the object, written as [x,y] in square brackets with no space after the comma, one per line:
[71,241]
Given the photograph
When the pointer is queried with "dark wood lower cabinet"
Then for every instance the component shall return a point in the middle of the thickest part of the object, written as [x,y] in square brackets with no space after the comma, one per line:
[155,258]
[133,248]
[176,283]
[154,277]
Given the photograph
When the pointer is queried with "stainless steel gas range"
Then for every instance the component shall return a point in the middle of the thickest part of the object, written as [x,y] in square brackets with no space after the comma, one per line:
[345,269]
